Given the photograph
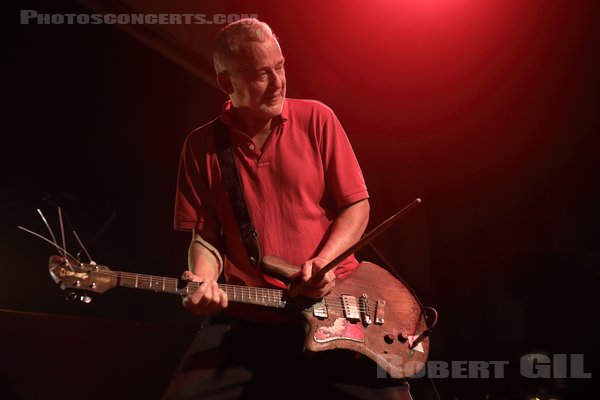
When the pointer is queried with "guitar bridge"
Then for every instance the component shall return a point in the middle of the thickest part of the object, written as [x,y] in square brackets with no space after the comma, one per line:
[364,309]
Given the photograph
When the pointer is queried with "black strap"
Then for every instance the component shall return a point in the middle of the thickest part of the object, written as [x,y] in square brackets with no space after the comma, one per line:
[233,185]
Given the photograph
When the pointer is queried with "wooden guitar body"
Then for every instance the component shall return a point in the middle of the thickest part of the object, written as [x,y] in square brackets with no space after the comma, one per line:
[389,319]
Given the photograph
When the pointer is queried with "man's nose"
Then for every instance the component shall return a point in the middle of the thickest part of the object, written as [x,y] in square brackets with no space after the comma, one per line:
[276,80]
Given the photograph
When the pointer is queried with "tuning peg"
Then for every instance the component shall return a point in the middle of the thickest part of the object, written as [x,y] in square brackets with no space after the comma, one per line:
[82,297]
[85,298]
[71,296]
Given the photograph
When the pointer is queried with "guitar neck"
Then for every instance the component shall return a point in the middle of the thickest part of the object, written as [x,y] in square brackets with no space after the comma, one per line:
[274,298]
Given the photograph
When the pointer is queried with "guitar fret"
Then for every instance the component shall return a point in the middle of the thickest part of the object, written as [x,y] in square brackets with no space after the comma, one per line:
[236,293]
[156,283]
[258,296]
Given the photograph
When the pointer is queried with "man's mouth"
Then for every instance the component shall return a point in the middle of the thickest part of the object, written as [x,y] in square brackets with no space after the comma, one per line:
[273,98]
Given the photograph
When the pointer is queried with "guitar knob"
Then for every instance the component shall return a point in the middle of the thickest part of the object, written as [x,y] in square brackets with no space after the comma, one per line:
[389,338]
[402,338]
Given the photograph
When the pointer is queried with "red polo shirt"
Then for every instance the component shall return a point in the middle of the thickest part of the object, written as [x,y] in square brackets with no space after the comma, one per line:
[294,187]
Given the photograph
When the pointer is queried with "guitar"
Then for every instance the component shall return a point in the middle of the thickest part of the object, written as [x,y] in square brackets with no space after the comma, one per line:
[370,312]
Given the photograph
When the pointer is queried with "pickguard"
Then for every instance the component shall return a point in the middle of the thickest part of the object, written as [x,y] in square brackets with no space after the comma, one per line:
[340,329]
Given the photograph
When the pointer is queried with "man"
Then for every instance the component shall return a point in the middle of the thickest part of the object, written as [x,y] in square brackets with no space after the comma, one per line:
[307,199]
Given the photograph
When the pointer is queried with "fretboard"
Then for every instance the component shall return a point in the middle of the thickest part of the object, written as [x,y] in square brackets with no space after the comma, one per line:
[235,293]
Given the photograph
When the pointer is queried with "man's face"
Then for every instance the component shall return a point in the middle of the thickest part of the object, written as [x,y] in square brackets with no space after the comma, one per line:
[258,79]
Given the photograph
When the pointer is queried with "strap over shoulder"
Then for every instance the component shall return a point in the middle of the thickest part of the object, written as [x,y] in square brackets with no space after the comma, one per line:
[233,186]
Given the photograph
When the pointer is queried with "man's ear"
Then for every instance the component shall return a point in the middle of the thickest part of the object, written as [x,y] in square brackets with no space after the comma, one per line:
[224,82]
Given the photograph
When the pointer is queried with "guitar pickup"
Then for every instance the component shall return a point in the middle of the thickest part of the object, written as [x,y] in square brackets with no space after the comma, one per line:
[320,310]
[351,308]
[380,312]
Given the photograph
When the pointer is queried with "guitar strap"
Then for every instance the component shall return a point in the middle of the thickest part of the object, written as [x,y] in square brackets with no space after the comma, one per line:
[233,186]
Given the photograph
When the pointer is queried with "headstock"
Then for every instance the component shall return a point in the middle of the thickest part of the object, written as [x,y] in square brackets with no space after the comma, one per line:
[81,278]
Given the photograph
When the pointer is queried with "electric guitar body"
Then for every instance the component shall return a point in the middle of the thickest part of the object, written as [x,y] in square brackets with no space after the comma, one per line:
[374,314]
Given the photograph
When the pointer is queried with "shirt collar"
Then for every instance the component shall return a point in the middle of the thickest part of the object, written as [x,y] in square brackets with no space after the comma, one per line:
[227,113]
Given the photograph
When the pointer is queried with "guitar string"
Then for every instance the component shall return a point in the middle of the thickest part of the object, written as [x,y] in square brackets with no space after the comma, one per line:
[258,293]
[261,295]
[265,292]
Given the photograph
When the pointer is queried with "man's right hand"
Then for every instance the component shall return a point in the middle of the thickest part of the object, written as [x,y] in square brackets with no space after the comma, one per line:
[207,299]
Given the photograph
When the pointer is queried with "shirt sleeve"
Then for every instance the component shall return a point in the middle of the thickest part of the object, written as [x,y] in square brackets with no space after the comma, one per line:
[343,175]
[193,207]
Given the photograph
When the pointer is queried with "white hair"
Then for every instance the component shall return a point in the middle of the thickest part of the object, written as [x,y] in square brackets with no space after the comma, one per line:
[228,43]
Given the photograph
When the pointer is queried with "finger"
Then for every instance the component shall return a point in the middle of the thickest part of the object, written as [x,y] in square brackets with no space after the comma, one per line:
[214,298]
[197,297]
[224,300]
[316,284]
[203,294]
[318,292]
[324,281]
[190,305]
[201,300]
[214,293]
[330,277]
[218,296]
[307,270]
[188,276]
[328,288]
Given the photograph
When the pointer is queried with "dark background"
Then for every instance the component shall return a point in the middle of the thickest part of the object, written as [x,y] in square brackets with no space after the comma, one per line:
[488,111]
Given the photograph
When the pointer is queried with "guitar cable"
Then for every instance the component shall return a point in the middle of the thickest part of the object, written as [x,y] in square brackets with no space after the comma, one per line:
[430,325]
[393,271]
